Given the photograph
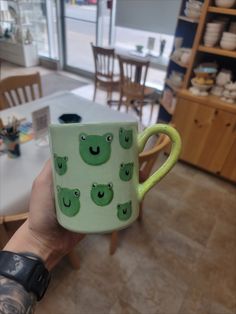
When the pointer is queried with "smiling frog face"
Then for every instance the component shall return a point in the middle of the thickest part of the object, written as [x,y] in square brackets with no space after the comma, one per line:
[102,194]
[126,171]
[124,211]
[95,149]
[60,164]
[68,200]
[126,138]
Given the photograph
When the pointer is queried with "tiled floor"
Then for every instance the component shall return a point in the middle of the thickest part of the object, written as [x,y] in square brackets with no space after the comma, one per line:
[181,259]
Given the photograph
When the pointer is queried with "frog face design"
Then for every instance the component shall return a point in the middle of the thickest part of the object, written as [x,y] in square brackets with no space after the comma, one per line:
[102,194]
[126,171]
[126,138]
[95,149]
[68,200]
[60,164]
[124,211]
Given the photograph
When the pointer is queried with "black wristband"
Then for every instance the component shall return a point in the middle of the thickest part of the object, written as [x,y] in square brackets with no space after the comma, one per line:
[29,272]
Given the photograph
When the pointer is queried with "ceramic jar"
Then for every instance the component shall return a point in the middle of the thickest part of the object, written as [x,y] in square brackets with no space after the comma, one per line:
[223,78]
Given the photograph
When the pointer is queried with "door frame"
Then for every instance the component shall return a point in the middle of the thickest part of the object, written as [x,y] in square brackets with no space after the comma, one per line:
[62,36]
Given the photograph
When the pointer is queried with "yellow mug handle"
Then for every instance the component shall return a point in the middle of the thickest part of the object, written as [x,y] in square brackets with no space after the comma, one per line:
[143,137]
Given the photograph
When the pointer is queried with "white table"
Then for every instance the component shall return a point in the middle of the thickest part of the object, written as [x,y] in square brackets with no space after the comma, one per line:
[17,175]
[159,62]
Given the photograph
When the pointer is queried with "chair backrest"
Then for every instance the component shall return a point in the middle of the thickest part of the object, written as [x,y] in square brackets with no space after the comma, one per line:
[103,61]
[148,158]
[133,74]
[17,90]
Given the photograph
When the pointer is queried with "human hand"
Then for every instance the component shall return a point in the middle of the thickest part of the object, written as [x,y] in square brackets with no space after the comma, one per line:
[41,234]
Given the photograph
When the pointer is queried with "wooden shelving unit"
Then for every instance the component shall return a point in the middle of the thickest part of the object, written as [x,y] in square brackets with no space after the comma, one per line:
[178,62]
[218,10]
[169,109]
[172,86]
[211,100]
[218,51]
[207,124]
[188,19]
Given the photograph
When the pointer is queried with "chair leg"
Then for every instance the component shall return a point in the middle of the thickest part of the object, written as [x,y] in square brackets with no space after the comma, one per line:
[141,110]
[113,242]
[151,113]
[4,237]
[95,90]
[120,101]
[74,259]
[127,103]
[140,216]
[109,93]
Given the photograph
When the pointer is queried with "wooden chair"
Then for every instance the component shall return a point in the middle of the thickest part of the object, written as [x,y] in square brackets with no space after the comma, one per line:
[147,160]
[8,225]
[13,92]
[104,59]
[17,90]
[133,74]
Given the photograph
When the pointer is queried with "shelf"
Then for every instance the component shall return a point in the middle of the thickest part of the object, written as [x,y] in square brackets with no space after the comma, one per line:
[210,100]
[217,51]
[171,85]
[222,10]
[188,19]
[169,109]
[178,62]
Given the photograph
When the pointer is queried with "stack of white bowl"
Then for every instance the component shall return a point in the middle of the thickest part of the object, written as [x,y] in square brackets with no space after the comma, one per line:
[212,34]
[228,41]
[225,3]
[193,9]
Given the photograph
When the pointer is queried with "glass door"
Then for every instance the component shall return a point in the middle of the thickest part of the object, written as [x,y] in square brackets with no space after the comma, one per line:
[85,22]
[80,24]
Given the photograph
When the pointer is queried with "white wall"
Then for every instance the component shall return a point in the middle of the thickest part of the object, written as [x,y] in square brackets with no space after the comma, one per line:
[150,15]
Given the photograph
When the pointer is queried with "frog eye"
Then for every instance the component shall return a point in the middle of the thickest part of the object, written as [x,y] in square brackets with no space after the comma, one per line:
[122,165]
[110,186]
[82,137]
[66,158]
[121,130]
[119,206]
[94,185]
[77,193]
[109,137]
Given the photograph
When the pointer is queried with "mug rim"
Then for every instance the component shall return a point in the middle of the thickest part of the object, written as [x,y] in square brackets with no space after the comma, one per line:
[58,125]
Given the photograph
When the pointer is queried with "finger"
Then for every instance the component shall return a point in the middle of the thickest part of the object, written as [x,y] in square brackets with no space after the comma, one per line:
[46,172]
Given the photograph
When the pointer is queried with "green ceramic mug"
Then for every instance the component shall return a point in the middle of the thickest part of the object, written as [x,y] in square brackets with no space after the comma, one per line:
[96,173]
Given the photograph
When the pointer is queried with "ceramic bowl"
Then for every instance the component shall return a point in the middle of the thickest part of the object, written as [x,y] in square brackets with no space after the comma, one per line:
[228,42]
[215,26]
[193,5]
[212,32]
[192,13]
[231,86]
[210,42]
[211,38]
[217,91]
[229,36]
[225,3]
[199,3]
[228,45]
[200,87]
